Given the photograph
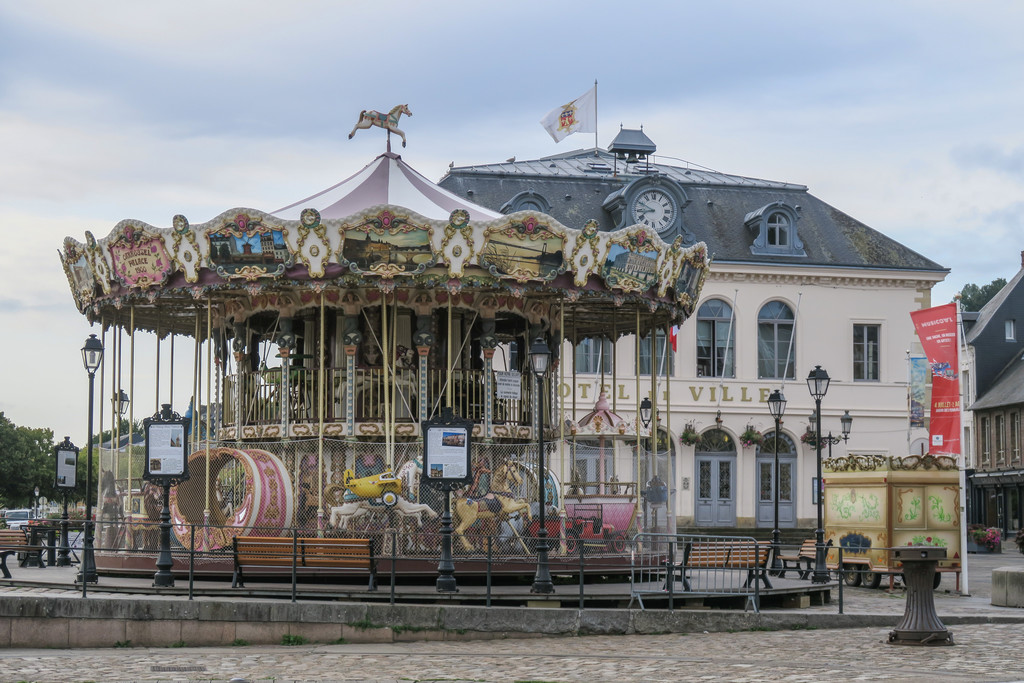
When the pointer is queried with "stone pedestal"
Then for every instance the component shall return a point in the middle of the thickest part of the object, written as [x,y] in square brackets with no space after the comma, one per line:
[920,625]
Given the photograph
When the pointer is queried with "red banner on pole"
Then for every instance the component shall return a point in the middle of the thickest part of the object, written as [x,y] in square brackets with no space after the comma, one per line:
[936,327]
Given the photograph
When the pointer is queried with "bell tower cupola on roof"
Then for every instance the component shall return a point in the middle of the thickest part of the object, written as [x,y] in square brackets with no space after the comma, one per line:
[631,145]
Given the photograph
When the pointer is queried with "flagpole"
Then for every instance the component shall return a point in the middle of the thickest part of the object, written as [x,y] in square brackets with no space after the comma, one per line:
[595,117]
[962,460]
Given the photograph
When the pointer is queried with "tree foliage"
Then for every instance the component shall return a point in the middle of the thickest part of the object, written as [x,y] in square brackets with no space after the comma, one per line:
[26,461]
[973,297]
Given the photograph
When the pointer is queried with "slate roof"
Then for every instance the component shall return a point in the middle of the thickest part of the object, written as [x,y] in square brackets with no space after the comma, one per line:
[988,311]
[577,184]
[1007,390]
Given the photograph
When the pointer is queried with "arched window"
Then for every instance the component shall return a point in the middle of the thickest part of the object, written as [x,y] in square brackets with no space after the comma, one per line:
[776,347]
[715,340]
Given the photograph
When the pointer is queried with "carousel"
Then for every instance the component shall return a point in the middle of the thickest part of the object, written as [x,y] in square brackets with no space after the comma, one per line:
[322,335]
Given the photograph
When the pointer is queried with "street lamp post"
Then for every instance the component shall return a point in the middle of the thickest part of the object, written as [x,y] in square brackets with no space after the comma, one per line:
[540,358]
[777,407]
[35,503]
[817,384]
[92,357]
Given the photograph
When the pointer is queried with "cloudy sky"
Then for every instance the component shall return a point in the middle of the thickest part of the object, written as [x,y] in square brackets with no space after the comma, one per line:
[906,115]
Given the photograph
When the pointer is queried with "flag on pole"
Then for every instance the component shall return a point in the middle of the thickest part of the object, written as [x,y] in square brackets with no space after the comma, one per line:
[936,328]
[578,116]
[672,336]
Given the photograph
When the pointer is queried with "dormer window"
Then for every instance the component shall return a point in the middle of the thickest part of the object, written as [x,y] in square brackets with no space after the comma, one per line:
[527,201]
[775,228]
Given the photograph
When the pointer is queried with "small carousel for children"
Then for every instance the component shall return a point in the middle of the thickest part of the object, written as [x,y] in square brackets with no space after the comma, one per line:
[320,337]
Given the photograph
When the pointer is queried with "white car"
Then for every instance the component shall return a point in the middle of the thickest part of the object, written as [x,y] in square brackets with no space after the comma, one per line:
[16,519]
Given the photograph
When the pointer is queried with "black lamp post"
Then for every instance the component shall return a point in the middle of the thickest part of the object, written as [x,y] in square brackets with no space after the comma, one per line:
[777,407]
[92,357]
[35,503]
[817,383]
[540,358]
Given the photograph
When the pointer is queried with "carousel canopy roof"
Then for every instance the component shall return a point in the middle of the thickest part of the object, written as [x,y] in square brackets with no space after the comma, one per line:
[385,180]
[386,228]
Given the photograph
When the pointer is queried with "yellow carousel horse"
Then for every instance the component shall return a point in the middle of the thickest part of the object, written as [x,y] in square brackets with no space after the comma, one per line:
[496,505]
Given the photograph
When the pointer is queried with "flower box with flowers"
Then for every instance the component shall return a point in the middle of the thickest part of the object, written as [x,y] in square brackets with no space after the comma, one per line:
[689,436]
[751,437]
[982,539]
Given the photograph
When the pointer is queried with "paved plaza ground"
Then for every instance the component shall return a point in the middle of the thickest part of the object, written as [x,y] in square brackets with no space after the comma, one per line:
[983,652]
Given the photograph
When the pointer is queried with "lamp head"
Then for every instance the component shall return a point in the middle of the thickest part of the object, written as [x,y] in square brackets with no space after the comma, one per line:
[777,404]
[645,411]
[540,356]
[122,402]
[847,423]
[92,354]
[817,382]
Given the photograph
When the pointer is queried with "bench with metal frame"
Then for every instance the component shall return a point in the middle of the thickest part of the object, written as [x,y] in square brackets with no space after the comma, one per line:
[15,542]
[802,561]
[265,554]
[729,555]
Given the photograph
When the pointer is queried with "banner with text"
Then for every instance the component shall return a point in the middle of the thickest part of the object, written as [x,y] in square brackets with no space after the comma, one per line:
[936,327]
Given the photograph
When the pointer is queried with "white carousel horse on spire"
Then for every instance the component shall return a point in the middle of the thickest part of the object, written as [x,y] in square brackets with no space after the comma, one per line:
[388,122]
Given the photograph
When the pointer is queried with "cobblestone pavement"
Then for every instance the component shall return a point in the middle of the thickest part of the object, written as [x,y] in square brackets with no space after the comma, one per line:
[988,652]
[983,652]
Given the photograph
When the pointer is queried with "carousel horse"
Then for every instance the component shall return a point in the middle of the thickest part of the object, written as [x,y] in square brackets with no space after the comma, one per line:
[343,515]
[496,506]
[410,474]
[387,121]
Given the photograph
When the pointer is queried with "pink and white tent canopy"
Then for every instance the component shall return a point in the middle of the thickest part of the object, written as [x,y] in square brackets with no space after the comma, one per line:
[385,180]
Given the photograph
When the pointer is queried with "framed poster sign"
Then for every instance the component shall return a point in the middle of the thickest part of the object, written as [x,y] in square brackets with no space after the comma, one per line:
[446,448]
[66,470]
[166,447]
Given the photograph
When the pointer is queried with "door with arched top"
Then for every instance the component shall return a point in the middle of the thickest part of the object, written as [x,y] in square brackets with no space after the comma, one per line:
[715,462]
[766,484]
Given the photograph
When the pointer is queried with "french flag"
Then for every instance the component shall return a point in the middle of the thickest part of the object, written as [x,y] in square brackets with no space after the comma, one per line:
[672,336]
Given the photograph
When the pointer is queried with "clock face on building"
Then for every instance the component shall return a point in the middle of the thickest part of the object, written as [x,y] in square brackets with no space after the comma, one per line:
[655,209]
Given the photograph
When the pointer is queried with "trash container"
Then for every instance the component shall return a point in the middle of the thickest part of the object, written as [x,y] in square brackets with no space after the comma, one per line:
[920,625]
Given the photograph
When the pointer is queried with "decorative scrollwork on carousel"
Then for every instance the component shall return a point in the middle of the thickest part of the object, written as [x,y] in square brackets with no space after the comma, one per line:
[924,462]
[855,463]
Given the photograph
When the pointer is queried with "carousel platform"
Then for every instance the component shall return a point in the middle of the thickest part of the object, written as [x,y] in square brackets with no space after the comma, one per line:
[613,592]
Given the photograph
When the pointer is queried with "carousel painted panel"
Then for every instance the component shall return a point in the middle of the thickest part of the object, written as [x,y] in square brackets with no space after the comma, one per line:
[632,261]
[524,249]
[387,244]
[248,248]
[139,256]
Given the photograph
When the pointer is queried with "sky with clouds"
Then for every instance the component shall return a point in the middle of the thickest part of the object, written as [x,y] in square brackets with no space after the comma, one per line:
[906,115]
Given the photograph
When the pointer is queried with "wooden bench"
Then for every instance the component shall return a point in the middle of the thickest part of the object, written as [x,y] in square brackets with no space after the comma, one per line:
[802,561]
[15,541]
[748,556]
[305,555]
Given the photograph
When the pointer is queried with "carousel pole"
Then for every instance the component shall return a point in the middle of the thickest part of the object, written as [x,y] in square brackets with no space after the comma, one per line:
[321,406]
[615,365]
[131,408]
[639,475]
[450,361]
